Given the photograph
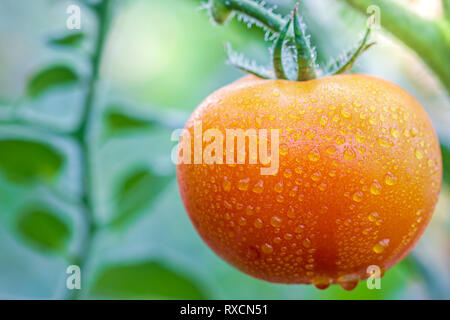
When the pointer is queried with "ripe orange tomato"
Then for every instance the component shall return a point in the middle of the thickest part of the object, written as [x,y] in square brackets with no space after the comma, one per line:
[359,175]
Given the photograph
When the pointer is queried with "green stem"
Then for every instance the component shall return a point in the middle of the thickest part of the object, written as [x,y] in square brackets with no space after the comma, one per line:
[429,39]
[278,52]
[83,137]
[305,55]
[256,11]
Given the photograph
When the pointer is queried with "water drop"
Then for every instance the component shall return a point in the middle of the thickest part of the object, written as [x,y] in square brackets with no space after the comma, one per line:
[349,154]
[299,229]
[314,155]
[288,236]
[375,188]
[291,212]
[309,267]
[395,133]
[418,153]
[390,179]
[360,137]
[340,140]
[373,216]
[293,192]
[278,187]
[258,187]
[276,222]
[331,149]
[316,176]
[287,173]
[381,246]
[346,114]
[348,282]
[307,243]
[243,184]
[384,143]
[226,184]
[258,223]
[321,282]
[266,248]
[357,196]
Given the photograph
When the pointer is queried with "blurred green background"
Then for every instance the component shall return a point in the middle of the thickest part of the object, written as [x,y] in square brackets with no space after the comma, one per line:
[161,58]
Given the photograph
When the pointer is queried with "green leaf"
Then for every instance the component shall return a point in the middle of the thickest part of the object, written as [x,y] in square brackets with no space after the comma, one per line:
[50,77]
[24,161]
[135,193]
[446,163]
[119,122]
[238,60]
[43,229]
[423,270]
[73,39]
[346,61]
[144,280]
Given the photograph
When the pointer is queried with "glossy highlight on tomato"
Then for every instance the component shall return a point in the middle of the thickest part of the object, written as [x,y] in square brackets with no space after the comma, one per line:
[359,176]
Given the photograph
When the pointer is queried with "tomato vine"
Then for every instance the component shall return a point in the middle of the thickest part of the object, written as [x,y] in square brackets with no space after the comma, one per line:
[287,31]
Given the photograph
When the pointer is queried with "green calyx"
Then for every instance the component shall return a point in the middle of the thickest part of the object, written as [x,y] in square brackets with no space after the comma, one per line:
[289,33]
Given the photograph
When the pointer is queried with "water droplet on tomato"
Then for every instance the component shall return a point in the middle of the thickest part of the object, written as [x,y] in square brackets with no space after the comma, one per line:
[321,282]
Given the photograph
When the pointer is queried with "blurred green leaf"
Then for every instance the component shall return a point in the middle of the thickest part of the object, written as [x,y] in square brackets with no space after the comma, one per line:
[72,39]
[119,122]
[144,280]
[42,228]
[136,192]
[424,272]
[446,163]
[24,161]
[52,76]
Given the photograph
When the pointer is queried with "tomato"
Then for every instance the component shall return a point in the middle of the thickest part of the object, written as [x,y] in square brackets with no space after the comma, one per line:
[358,178]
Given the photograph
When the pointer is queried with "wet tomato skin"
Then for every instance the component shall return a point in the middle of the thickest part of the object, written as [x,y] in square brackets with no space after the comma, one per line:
[359,175]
